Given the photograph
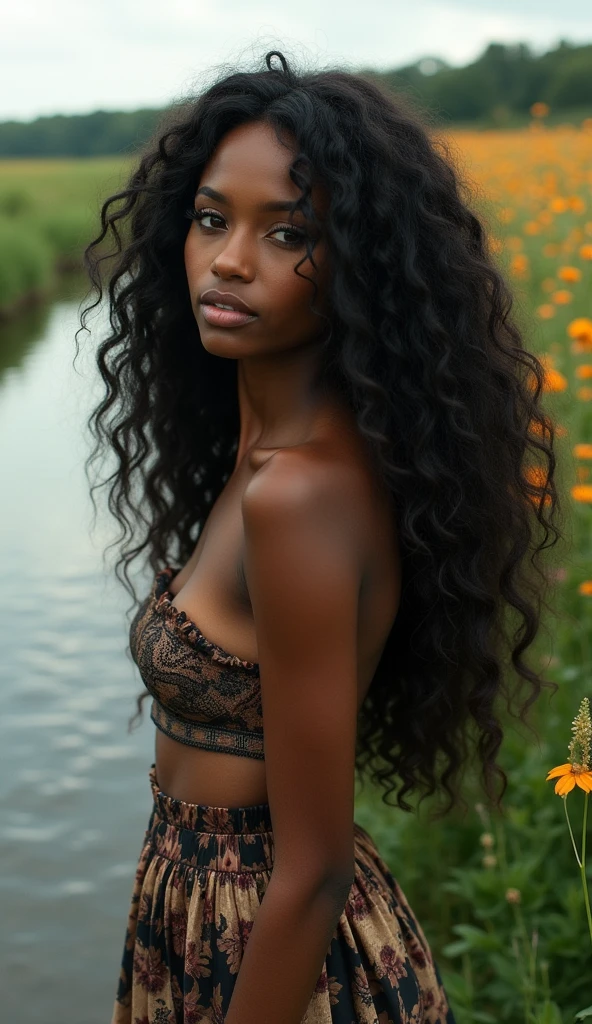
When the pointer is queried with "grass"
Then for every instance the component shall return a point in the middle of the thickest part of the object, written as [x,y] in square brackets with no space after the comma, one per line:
[49,210]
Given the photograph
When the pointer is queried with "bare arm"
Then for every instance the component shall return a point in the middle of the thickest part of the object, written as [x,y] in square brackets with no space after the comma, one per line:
[302,563]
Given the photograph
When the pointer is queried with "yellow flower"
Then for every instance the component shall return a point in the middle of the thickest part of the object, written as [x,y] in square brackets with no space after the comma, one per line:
[577,771]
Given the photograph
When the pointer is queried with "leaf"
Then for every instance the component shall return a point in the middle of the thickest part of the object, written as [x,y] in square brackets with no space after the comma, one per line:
[583,1014]
[548,1013]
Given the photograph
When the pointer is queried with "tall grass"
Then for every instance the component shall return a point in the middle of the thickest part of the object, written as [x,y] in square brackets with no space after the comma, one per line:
[48,213]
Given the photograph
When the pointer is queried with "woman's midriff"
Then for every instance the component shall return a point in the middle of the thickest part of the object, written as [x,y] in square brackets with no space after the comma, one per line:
[211,777]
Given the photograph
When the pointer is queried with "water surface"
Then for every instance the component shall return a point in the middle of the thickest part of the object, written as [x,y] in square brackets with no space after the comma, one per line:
[74,791]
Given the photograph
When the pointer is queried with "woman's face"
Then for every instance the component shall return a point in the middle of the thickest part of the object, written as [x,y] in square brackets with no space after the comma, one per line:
[242,249]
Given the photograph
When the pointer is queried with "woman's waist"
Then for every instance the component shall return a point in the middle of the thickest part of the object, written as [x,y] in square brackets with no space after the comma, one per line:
[212,777]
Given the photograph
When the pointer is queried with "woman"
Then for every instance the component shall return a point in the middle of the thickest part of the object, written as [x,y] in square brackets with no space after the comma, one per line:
[322,414]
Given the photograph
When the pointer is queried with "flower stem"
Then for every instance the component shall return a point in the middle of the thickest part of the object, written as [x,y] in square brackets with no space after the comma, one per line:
[583,867]
[571,833]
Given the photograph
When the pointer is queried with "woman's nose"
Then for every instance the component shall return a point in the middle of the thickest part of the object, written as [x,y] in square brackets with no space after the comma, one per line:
[235,259]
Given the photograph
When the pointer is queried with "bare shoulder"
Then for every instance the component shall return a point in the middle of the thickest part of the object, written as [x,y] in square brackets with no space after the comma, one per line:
[311,481]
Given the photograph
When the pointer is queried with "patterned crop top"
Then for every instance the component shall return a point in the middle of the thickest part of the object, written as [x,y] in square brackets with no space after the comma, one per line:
[203,696]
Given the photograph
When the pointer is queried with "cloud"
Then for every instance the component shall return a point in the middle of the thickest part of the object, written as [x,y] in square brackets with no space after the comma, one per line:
[76,56]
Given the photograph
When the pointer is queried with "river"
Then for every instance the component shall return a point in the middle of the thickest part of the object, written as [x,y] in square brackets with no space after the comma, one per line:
[74,791]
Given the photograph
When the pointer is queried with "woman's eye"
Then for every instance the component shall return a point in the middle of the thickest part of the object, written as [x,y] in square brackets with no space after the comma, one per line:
[292,236]
[206,218]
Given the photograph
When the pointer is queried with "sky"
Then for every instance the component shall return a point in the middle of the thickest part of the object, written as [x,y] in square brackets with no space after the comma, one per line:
[74,56]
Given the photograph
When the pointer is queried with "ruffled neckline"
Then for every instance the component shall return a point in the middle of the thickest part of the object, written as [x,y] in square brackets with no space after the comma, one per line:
[188,630]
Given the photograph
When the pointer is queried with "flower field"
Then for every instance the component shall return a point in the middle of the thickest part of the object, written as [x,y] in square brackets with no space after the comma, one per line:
[500,897]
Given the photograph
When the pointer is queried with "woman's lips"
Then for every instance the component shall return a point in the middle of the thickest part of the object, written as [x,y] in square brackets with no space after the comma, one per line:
[225,317]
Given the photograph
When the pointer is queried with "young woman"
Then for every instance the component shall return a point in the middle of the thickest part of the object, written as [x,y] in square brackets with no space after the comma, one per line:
[323,416]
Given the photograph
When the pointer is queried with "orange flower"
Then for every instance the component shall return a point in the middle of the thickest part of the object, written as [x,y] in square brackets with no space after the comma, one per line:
[584,394]
[539,109]
[583,451]
[584,371]
[554,380]
[568,776]
[562,297]
[569,273]
[581,329]
[582,492]
[577,771]
[585,587]
[546,311]
[586,252]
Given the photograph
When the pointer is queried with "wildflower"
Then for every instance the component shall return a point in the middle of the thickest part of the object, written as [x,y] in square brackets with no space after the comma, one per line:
[513,895]
[559,204]
[586,252]
[546,311]
[582,492]
[569,273]
[539,109]
[577,203]
[489,860]
[583,371]
[487,840]
[585,588]
[554,380]
[584,394]
[582,451]
[580,329]
[578,770]
[562,297]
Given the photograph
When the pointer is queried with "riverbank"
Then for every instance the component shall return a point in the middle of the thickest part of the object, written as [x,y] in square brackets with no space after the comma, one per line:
[49,211]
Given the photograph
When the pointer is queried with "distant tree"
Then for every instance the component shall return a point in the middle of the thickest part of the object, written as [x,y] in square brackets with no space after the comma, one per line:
[504,80]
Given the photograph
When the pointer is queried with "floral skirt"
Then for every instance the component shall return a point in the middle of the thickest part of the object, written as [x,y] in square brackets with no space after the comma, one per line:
[201,876]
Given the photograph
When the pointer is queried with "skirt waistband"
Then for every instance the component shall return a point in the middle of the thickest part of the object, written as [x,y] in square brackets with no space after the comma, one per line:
[204,837]
[208,818]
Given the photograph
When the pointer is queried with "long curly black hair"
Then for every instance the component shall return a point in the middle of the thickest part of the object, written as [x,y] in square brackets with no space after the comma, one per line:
[432,364]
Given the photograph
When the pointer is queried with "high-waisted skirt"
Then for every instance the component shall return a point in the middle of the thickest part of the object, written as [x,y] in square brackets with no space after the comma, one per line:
[201,877]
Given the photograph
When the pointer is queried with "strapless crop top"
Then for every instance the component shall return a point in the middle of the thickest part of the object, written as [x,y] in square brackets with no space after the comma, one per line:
[202,695]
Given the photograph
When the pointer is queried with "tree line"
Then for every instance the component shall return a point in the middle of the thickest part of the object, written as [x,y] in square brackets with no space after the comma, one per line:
[495,90]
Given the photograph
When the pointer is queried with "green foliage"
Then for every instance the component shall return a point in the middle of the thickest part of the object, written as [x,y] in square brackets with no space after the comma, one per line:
[498,88]
[26,262]
[49,211]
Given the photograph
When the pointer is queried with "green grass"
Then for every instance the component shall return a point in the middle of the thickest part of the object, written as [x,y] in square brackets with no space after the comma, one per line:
[49,211]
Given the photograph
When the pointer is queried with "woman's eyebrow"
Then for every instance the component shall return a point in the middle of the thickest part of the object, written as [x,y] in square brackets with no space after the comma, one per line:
[271,207]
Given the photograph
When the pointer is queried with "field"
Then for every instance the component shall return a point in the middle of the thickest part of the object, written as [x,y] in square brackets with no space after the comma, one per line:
[500,898]
[49,210]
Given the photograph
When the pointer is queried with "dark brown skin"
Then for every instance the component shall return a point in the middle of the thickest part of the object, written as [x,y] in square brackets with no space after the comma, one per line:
[312,531]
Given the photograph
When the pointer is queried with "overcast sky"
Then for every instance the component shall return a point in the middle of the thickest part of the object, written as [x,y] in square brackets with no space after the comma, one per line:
[68,56]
